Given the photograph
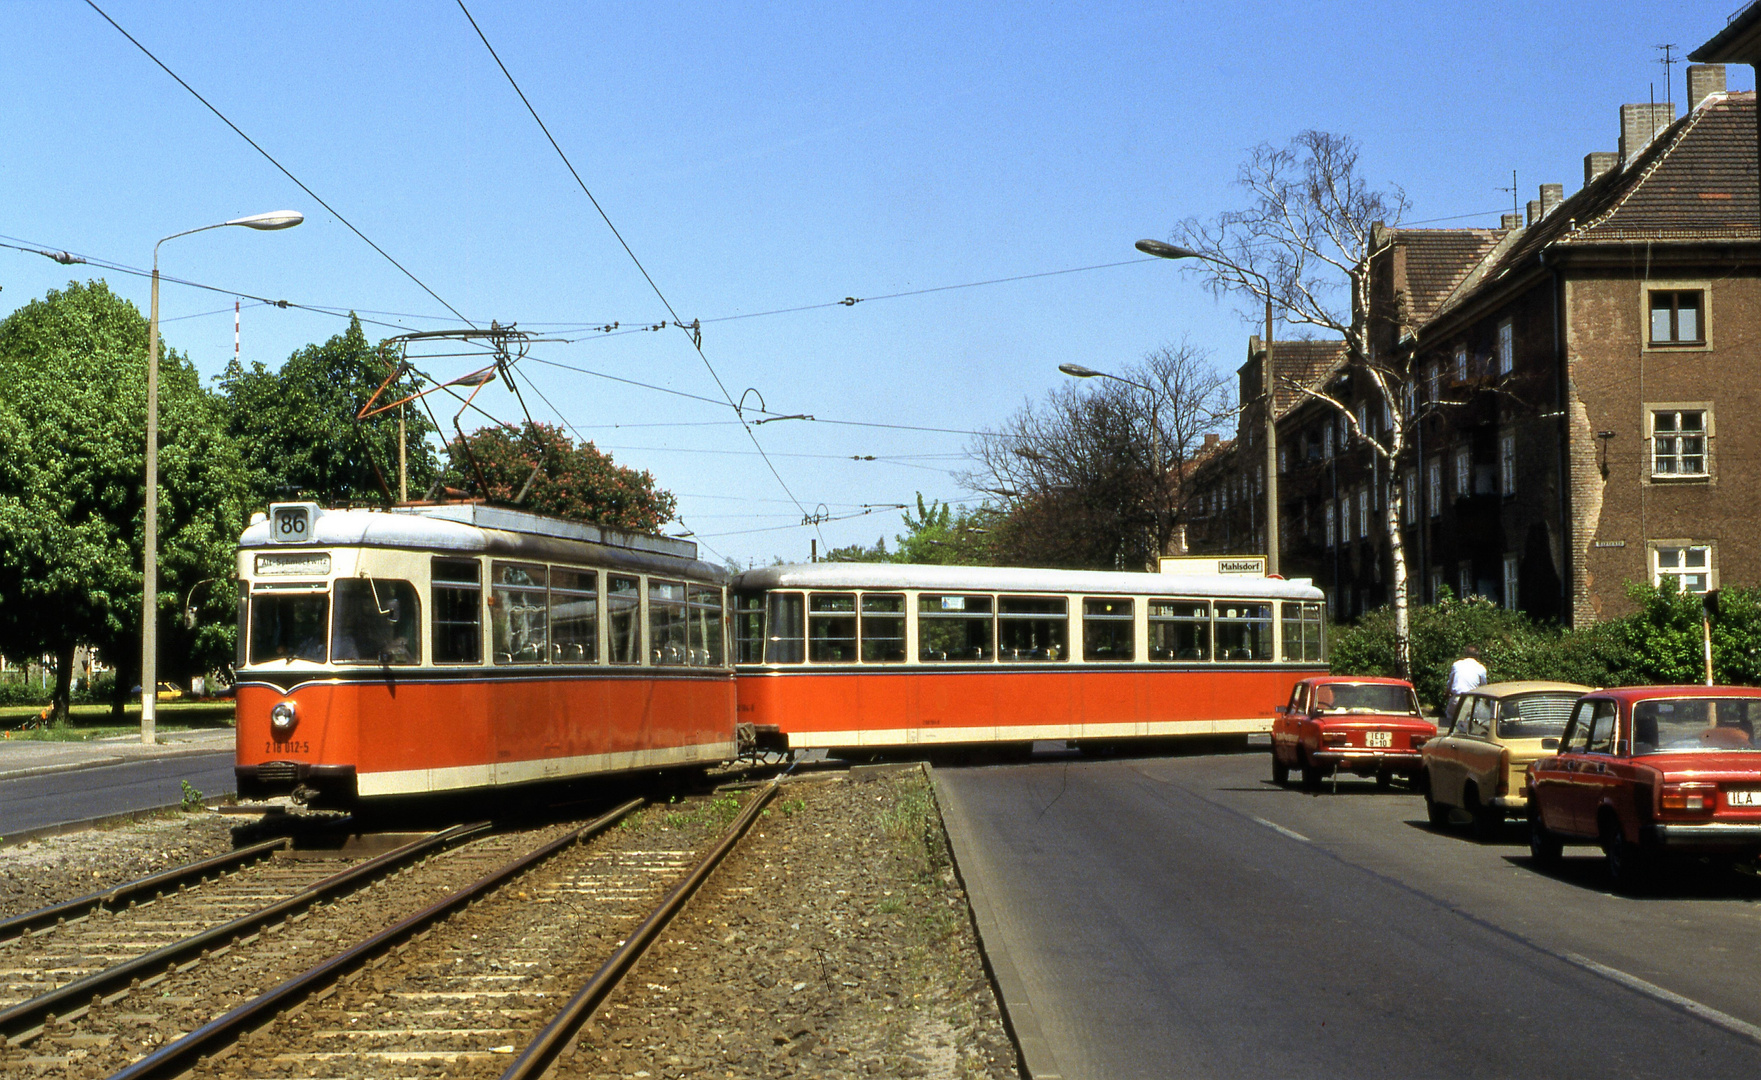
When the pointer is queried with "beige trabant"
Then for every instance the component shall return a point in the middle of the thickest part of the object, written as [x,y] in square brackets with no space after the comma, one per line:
[1482,751]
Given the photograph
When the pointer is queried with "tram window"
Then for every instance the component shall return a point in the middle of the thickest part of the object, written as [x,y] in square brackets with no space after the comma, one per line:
[666,623]
[954,628]
[1302,632]
[377,621]
[1180,630]
[749,628]
[1244,631]
[574,616]
[1033,629]
[783,627]
[289,626]
[623,614]
[831,628]
[519,613]
[705,616]
[1107,630]
[243,637]
[883,628]
[457,600]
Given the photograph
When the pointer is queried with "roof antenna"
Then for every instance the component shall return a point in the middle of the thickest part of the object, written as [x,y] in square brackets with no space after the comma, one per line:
[1668,62]
[1515,210]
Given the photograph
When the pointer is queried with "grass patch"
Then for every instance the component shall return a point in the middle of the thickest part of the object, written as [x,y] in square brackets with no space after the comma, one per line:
[87,722]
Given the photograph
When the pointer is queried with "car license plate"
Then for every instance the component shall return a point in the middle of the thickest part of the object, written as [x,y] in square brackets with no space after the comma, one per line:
[1379,738]
[1743,798]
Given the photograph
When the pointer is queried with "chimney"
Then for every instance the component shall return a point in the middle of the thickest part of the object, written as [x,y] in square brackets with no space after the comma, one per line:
[1534,209]
[1639,124]
[1551,196]
[1598,163]
[1704,80]
[1511,221]
[1211,439]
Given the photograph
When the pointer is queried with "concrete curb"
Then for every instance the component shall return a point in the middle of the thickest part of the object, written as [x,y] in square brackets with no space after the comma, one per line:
[109,759]
[1037,1059]
[62,828]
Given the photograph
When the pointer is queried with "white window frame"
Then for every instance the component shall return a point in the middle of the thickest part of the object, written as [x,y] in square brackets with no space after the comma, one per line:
[1434,380]
[1512,580]
[1461,363]
[1409,509]
[1283,460]
[1506,348]
[1330,515]
[1507,463]
[1675,558]
[1678,455]
[1363,513]
[1434,485]
[1327,441]
[1464,472]
[1464,579]
[1436,583]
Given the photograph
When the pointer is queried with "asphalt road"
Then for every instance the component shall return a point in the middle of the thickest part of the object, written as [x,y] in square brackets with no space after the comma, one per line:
[1183,917]
[33,802]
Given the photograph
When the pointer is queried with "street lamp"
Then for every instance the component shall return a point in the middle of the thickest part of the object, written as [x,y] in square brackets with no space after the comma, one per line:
[280,219]
[1081,372]
[1172,251]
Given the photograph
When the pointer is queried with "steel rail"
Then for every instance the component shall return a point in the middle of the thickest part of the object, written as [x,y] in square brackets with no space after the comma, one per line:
[542,1051]
[22,1021]
[177,1057]
[119,896]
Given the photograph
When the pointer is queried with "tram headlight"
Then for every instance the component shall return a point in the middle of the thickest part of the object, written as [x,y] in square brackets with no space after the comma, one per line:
[282,717]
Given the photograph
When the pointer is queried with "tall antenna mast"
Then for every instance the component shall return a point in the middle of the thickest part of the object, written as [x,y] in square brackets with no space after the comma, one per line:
[235,331]
[1668,62]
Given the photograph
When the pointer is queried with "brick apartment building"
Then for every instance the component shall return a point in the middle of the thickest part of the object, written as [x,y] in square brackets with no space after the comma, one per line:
[1581,407]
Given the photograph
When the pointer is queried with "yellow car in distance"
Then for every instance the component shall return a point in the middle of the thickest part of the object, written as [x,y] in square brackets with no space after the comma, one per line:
[1482,752]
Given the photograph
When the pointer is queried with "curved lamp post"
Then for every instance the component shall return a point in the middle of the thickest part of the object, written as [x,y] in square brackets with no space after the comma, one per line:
[1080,372]
[280,219]
[1171,251]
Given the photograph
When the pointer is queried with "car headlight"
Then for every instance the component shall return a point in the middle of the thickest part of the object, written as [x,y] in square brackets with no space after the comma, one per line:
[282,717]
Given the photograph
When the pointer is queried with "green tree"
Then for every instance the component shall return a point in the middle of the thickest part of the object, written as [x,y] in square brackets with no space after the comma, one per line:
[297,430]
[858,553]
[540,468]
[72,451]
[936,534]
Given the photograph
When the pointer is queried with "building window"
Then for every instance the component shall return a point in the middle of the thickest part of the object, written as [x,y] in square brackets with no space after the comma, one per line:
[1676,317]
[1409,400]
[1464,473]
[1327,442]
[1363,420]
[1259,480]
[1511,579]
[1434,486]
[1409,510]
[1678,442]
[1329,526]
[1434,377]
[1464,576]
[1689,565]
[1507,463]
[1506,348]
[1283,460]
[1461,369]
[1436,584]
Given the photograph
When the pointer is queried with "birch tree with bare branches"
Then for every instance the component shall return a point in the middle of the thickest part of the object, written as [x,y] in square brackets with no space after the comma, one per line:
[1305,242]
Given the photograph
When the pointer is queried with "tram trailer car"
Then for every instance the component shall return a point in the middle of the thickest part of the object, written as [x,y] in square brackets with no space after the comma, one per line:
[867,658]
[465,648]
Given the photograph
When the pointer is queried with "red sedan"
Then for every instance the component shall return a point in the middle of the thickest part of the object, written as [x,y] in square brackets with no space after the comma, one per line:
[1363,725]
[1651,771]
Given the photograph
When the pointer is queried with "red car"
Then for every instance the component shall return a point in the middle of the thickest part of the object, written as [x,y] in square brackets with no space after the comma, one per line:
[1651,771]
[1367,726]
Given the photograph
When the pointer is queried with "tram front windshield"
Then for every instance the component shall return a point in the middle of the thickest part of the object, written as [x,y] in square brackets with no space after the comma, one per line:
[289,626]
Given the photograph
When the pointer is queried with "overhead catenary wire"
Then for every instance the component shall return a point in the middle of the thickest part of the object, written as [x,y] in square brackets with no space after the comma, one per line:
[283,169]
[694,333]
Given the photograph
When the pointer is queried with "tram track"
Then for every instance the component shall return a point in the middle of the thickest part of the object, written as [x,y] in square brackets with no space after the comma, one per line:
[491,979]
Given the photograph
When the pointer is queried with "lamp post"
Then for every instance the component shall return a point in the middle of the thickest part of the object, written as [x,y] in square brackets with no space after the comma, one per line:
[1081,372]
[280,219]
[1171,251]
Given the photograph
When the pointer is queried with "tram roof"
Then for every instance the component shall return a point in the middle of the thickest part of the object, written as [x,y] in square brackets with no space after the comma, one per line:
[475,528]
[842,575]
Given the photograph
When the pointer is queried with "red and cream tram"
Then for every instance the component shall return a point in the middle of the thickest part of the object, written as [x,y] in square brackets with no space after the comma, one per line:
[873,656]
[465,647]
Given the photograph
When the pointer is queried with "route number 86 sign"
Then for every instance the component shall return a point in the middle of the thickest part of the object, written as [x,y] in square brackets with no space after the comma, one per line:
[291,524]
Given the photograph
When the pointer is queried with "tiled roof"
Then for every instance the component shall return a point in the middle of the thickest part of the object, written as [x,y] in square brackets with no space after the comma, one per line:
[1695,182]
[1437,261]
[1304,363]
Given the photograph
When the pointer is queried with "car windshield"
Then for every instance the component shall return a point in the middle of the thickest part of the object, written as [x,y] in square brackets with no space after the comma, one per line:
[1365,698]
[1682,724]
[1535,716]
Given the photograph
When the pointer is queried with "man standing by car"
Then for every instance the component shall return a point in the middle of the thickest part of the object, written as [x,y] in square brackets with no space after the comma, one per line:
[1464,675]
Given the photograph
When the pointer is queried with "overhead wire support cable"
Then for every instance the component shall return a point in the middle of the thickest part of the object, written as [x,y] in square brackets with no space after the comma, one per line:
[694,328]
[271,159]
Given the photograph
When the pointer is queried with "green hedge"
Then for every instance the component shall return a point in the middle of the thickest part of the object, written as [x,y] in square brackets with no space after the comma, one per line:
[1660,643]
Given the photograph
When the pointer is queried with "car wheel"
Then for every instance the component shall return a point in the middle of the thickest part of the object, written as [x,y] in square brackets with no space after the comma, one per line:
[1544,847]
[1311,775]
[1628,869]
[1488,820]
[1435,812]
[1280,771]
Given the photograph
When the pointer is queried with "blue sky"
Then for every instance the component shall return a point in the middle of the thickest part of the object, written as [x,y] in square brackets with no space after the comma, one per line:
[766,157]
